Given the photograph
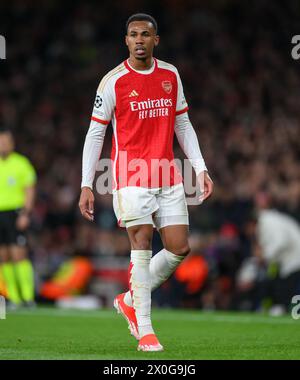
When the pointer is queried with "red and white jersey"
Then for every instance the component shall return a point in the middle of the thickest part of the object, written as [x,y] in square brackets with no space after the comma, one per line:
[142,106]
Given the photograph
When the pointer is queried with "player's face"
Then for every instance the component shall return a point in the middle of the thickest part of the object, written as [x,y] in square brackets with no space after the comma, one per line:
[6,144]
[141,39]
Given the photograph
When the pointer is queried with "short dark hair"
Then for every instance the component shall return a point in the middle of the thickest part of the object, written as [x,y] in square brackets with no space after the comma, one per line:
[142,17]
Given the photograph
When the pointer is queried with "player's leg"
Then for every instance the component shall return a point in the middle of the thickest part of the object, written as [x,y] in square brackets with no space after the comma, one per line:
[172,221]
[176,248]
[165,262]
[128,203]
[126,308]
[24,271]
[9,276]
[137,241]
[7,268]
[173,230]
[19,257]
[140,237]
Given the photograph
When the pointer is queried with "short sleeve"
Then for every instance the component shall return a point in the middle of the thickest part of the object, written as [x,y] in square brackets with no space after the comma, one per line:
[104,102]
[181,105]
[28,174]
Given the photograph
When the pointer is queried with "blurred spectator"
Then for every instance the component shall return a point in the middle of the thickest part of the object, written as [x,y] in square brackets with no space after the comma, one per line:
[271,277]
[279,242]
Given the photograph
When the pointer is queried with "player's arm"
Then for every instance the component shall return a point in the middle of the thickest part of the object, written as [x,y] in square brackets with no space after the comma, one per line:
[102,111]
[30,192]
[23,219]
[29,182]
[91,152]
[188,142]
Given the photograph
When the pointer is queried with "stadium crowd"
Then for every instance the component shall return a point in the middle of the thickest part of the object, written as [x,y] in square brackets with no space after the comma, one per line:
[242,86]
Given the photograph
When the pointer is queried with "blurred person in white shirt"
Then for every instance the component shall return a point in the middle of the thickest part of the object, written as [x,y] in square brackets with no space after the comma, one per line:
[278,241]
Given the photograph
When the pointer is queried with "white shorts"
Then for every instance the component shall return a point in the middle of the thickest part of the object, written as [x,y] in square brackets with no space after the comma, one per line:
[161,206]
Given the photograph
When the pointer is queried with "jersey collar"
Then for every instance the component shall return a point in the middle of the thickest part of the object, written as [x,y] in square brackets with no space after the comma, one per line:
[143,72]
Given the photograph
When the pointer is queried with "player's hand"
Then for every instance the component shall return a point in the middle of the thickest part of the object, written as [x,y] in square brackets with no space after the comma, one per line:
[206,186]
[22,222]
[86,203]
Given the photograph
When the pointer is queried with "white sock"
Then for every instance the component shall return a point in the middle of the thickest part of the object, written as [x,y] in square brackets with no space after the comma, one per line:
[162,265]
[140,287]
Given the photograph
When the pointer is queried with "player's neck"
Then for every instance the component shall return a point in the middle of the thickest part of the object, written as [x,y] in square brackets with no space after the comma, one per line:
[137,64]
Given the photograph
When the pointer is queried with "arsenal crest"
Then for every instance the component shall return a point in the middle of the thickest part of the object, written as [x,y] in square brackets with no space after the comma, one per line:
[167,86]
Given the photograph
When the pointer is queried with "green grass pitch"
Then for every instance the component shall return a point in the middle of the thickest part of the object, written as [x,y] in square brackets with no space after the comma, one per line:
[46,333]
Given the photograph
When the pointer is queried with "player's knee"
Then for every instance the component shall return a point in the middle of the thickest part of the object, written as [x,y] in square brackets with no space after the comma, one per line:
[140,237]
[182,250]
[141,241]
[141,244]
